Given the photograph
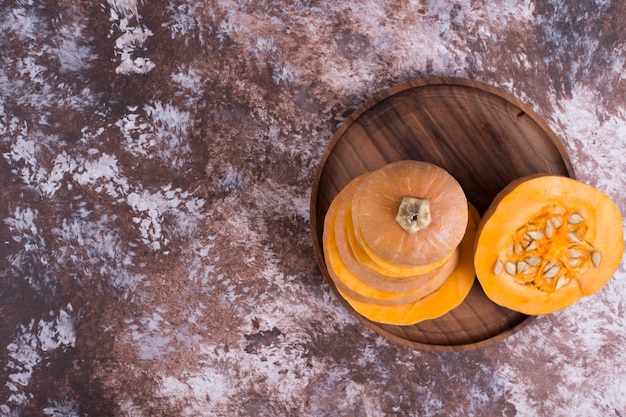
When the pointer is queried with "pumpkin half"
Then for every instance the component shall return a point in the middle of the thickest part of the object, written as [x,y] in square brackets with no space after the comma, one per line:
[545,242]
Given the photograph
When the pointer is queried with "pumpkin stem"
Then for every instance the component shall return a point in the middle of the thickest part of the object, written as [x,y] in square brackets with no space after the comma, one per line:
[413,214]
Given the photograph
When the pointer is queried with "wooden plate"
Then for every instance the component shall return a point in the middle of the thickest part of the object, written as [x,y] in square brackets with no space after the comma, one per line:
[483,136]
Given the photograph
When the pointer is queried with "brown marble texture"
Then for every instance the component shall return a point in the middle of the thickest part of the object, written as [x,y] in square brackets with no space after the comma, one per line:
[156,161]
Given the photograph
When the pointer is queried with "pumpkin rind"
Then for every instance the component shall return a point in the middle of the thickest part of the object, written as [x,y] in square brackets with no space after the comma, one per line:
[375,207]
[529,205]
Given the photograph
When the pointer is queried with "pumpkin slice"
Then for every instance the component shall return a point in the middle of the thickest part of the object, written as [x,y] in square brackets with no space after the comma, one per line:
[360,283]
[409,214]
[449,296]
[545,242]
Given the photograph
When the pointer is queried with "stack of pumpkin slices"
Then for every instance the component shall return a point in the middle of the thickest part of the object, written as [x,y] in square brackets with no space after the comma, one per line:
[398,243]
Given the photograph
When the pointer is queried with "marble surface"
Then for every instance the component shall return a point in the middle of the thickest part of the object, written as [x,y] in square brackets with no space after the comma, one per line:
[155,170]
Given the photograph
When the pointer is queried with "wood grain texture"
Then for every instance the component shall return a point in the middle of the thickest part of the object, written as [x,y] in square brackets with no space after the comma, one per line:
[484,137]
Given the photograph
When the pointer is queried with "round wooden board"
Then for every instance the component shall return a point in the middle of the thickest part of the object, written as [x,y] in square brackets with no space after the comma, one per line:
[483,136]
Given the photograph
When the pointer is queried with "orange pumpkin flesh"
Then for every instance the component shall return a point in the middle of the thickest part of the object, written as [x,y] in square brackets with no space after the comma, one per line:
[375,207]
[545,242]
[446,298]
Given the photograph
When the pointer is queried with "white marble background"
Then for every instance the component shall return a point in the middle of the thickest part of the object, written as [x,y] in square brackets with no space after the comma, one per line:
[156,164]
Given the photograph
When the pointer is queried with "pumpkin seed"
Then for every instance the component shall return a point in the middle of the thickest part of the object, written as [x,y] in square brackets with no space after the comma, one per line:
[549,229]
[533,260]
[572,237]
[562,282]
[536,234]
[596,258]
[550,270]
[556,221]
[575,253]
[521,267]
[551,273]
[549,265]
[531,246]
[575,218]
[497,268]
[509,267]
[574,262]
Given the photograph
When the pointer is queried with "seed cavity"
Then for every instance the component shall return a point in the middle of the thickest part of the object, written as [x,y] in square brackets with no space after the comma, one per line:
[550,250]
